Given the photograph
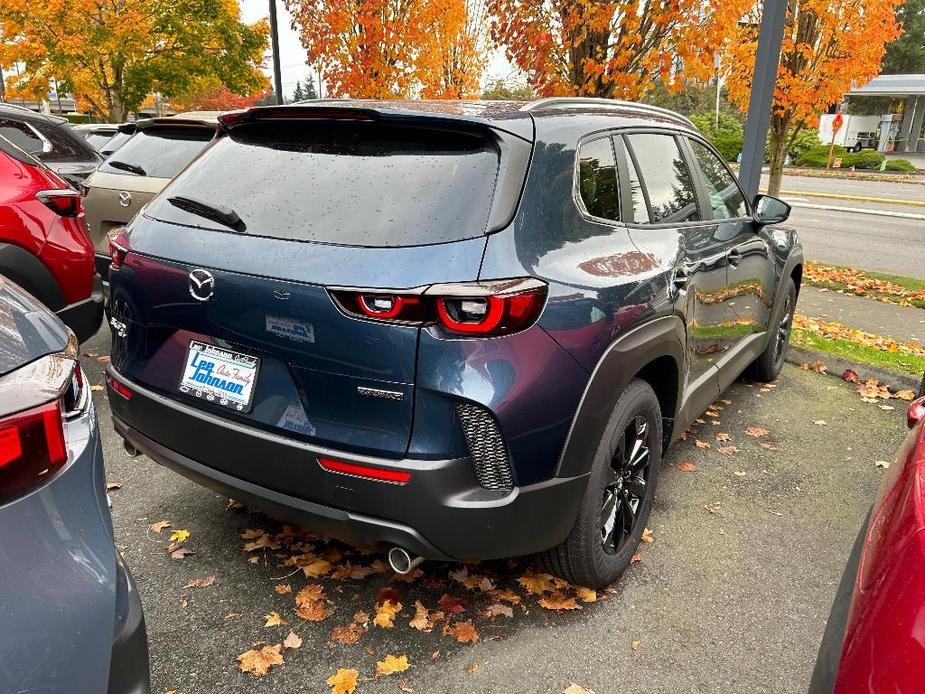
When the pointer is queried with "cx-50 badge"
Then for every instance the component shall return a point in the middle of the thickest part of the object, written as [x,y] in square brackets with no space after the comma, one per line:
[125,198]
[201,284]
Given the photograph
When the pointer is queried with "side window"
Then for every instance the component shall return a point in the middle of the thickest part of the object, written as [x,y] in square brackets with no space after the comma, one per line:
[23,136]
[639,212]
[64,144]
[726,197]
[597,178]
[668,181]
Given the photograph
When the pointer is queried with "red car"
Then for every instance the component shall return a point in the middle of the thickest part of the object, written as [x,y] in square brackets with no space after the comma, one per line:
[44,244]
[875,637]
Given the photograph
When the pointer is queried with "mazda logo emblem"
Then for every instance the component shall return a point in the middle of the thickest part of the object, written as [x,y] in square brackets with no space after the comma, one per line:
[125,198]
[201,284]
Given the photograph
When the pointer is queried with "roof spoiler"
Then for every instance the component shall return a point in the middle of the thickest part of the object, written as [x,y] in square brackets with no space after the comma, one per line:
[232,119]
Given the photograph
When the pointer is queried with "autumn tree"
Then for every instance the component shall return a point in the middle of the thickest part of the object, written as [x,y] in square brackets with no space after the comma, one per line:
[827,45]
[111,55]
[209,94]
[451,68]
[609,48]
[386,49]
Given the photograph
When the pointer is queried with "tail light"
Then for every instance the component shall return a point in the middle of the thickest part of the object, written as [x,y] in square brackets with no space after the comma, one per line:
[33,446]
[477,309]
[65,202]
[32,449]
[118,248]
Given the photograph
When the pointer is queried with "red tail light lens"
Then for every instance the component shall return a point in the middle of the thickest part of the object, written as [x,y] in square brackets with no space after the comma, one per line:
[117,248]
[32,449]
[65,202]
[373,473]
[484,309]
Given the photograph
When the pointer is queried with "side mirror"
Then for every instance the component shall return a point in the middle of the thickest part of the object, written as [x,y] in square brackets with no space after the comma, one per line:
[770,210]
[915,413]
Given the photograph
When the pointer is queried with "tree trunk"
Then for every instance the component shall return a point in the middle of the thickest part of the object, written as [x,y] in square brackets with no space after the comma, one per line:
[777,152]
[117,112]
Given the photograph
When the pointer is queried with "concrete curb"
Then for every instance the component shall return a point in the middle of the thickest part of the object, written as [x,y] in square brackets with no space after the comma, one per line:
[836,366]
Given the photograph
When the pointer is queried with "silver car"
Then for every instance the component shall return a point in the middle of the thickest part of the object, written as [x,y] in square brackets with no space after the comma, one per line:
[70,618]
[158,149]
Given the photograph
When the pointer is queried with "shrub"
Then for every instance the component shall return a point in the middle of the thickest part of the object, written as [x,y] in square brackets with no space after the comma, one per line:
[804,141]
[729,146]
[706,123]
[865,159]
[903,165]
[818,155]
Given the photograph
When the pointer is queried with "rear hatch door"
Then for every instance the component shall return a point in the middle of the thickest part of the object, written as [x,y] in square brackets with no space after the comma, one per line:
[239,278]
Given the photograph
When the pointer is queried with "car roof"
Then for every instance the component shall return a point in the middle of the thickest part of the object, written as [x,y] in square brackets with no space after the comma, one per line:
[23,113]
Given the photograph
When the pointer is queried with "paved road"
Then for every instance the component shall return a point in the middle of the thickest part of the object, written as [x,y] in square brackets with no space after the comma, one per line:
[864,241]
[847,186]
[731,600]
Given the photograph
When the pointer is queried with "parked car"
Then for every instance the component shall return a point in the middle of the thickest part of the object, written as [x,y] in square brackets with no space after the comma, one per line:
[158,149]
[105,138]
[44,246]
[50,140]
[73,623]
[873,638]
[366,318]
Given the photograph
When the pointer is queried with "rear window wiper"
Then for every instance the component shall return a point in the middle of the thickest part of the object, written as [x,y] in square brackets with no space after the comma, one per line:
[217,213]
[125,166]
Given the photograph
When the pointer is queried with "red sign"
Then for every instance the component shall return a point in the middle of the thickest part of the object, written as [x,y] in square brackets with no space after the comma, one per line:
[837,122]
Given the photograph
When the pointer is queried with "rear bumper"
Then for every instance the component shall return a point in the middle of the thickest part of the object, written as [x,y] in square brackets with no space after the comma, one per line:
[84,317]
[101,262]
[441,513]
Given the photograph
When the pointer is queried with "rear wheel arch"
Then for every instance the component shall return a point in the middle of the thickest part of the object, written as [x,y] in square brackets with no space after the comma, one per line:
[653,352]
[26,270]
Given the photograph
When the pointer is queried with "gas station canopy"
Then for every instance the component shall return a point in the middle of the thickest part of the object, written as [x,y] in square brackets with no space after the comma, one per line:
[911,89]
[892,85]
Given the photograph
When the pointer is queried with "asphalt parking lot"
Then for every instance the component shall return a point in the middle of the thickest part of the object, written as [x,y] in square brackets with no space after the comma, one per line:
[731,594]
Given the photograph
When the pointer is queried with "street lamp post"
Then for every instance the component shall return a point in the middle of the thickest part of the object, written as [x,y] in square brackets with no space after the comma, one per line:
[274,38]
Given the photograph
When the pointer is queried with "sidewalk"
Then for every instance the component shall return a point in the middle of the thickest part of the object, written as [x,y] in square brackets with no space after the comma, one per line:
[891,320]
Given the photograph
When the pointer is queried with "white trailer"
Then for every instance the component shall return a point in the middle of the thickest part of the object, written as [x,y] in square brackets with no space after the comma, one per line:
[855,134]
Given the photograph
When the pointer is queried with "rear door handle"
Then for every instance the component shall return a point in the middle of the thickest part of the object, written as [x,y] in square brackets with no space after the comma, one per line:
[734,256]
[681,277]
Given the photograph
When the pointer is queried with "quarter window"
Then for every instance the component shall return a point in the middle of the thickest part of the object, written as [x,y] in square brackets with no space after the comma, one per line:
[22,135]
[597,178]
[668,180]
[726,197]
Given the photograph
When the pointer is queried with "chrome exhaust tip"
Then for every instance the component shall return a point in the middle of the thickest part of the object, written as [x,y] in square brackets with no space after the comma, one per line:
[130,450]
[402,562]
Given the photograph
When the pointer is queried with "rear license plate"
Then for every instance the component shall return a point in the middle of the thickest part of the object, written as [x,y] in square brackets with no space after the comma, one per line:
[220,376]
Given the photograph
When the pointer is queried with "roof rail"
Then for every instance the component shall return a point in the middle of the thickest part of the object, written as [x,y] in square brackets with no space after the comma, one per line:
[585,101]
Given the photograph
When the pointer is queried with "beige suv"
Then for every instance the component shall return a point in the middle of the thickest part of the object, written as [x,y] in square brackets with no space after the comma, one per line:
[158,149]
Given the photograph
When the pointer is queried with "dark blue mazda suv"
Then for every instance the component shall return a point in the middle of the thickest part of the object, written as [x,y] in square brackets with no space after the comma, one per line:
[455,330]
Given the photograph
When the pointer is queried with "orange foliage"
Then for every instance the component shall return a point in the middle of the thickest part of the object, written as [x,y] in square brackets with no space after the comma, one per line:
[827,45]
[389,49]
[612,48]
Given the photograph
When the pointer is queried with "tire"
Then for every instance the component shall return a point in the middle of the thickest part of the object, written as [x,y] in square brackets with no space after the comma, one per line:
[582,559]
[768,365]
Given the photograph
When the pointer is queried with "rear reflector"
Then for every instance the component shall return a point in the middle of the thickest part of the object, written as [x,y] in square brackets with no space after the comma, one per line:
[32,449]
[372,473]
[122,390]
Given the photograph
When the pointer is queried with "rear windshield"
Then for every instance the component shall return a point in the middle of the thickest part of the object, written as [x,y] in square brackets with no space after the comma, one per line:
[354,184]
[160,151]
[98,139]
